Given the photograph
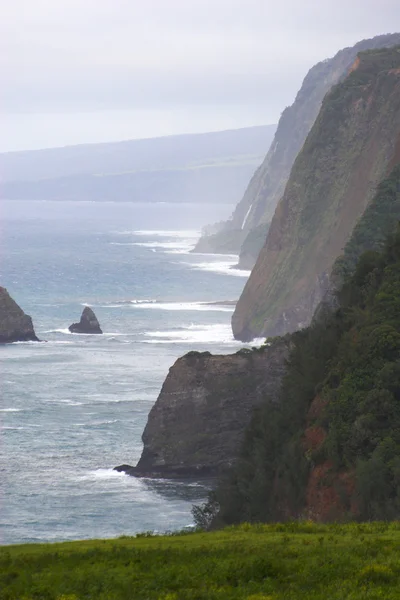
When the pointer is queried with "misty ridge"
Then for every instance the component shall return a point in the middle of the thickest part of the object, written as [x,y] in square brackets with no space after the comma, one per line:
[210,167]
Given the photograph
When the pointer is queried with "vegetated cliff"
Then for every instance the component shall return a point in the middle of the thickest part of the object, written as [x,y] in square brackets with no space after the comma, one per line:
[350,148]
[267,185]
[329,449]
[15,325]
[197,423]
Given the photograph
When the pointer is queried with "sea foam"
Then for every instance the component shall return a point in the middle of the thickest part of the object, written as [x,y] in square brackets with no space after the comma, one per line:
[225,267]
[194,334]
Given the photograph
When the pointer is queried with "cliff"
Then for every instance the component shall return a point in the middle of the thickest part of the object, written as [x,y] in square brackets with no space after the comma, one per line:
[351,147]
[329,449]
[197,423]
[15,325]
[267,185]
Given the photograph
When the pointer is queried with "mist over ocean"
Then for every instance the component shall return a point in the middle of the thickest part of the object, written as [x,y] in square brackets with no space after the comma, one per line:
[75,407]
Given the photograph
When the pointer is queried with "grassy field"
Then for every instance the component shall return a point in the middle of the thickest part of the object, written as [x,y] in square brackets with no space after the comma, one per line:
[260,562]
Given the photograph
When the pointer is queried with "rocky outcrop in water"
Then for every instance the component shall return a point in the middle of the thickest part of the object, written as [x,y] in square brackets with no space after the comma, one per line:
[87,324]
[351,147]
[267,185]
[196,426]
[15,325]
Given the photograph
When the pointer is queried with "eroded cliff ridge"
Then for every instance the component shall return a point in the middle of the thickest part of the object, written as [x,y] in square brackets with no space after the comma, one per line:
[351,147]
[196,426]
[15,325]
[249,222]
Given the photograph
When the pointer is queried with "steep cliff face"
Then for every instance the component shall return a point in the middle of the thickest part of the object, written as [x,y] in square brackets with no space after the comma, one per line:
[15,325]
[268,183]
[196,426]
[350,148]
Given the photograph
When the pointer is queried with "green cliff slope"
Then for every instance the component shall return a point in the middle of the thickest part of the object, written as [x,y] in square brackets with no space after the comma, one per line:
[352,145]
[330,448]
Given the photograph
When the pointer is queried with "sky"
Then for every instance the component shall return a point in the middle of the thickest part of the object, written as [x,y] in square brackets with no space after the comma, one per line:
[79,71]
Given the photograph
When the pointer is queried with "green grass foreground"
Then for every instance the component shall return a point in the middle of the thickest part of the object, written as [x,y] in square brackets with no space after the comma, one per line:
[251,562]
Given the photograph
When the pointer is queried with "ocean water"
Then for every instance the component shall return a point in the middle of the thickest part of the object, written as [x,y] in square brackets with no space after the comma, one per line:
[74,407]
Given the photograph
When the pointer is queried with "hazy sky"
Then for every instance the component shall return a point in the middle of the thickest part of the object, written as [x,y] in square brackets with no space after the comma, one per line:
[76,71]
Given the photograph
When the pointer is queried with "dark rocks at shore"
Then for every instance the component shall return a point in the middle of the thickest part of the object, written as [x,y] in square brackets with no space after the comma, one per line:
[15,325]
[177,472]
[87,324]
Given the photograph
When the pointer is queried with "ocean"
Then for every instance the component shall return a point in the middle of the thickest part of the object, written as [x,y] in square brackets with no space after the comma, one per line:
[75,406]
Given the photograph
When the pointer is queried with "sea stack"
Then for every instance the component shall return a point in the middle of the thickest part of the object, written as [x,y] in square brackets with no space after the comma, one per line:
[87,324]
[15,325]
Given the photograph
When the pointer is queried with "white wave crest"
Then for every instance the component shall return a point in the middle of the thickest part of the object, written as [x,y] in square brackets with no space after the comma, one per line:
[174,242]
[65,331]
[173,306]
[103,475]
[186,306]
[168,233]
[10,409]
[194,334]
[69,402]
[68,332]
[97,423]
[175,247]
[224,266]
[199,334]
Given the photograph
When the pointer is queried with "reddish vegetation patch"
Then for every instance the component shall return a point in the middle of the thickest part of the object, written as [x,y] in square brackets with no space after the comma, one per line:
[394,71]
[329,494]
[320,498]
[314,437]
[355,65]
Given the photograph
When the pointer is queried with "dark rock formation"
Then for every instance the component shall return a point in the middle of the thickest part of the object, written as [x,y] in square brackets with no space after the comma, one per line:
[87,324]
[350,149]
[196,426]
[268,182]
[219,243]
[15,325]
